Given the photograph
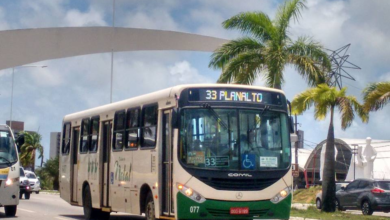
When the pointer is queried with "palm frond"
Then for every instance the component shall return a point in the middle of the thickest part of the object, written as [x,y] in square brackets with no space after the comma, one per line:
[320,111]
[288,10]
[276,61]
[248,64]
[232,49]
[303,101]
[359,108]
[346,111]
[257,24]
[376,96]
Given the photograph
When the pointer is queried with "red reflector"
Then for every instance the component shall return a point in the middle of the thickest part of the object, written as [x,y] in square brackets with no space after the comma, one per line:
[377,190]
[239,211]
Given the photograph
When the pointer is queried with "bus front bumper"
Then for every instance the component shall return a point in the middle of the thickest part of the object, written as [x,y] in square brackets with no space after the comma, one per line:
[215,209]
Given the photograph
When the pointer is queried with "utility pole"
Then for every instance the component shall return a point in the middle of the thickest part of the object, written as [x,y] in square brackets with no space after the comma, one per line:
[296,143]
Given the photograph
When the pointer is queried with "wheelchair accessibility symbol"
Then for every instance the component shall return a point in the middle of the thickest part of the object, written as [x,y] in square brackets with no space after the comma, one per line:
[248,161]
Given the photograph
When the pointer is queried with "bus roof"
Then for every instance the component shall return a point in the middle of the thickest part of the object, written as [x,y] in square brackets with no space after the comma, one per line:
[155,97]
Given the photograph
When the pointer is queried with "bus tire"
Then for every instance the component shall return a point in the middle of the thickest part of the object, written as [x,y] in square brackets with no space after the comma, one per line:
[149,207]
[10,211]
[26,195]
[89,212]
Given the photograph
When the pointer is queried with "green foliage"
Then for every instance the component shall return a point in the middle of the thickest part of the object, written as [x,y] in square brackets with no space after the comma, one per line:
[376,96]
[267,49]
[306,195]
[325,98]
[48,174]
[32,143]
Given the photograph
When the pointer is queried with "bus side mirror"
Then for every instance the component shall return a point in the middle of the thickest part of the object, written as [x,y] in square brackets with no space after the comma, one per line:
[291,124]
[175,122]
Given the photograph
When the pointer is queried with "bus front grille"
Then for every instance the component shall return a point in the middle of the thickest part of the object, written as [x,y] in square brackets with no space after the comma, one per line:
[226,213]
[238,184]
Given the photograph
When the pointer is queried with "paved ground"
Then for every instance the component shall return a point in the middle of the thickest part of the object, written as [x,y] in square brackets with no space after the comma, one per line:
[52,207]
[356,212]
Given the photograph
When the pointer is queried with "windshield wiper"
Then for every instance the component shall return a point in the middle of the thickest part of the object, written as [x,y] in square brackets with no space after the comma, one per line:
[265,109]
[216,116]
[6,160]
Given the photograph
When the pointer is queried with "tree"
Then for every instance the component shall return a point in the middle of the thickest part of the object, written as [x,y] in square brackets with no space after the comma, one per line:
[268,49]
[324,99]
[376,96]
[32,142]
[48,174]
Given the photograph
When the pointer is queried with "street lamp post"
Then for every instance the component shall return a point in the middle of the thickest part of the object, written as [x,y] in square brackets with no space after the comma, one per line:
[12,88]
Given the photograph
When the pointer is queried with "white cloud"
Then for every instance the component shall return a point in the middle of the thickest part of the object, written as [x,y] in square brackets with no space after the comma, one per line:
[90,18]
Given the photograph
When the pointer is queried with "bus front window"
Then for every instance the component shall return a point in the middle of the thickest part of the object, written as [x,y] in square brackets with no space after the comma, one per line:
[234,139]
[7,149]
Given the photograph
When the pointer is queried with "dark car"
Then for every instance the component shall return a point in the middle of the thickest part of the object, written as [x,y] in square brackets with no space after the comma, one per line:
[319,195]
[366,195]
[24,185]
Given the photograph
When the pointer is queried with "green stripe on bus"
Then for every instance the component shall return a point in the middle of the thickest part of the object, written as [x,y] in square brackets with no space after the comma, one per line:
[216,209]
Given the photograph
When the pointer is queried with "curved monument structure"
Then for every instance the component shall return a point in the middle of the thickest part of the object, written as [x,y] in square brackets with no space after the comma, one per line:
[18,47]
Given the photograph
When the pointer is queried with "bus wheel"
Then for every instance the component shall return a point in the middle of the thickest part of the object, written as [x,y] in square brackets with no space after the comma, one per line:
[10,211]
[27,195]
[89,212]
[149,208]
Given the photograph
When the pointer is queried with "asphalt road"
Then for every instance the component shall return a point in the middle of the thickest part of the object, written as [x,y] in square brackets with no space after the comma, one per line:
[52,207]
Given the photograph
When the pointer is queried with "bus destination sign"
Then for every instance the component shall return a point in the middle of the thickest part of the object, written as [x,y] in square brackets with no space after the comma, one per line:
[234,95]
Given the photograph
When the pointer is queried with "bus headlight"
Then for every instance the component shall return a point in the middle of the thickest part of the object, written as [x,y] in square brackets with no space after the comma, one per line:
[8,182]
[281,195]
[190,193]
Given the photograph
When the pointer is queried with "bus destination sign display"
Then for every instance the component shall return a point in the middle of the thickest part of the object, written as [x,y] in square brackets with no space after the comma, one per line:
[232,95]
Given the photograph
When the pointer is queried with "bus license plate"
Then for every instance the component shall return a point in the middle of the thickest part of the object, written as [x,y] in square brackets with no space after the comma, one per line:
[239,211]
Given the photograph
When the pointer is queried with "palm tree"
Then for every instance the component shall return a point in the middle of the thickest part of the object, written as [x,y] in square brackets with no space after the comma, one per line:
[376,96]
[30,145]
[268,48]
[324,99]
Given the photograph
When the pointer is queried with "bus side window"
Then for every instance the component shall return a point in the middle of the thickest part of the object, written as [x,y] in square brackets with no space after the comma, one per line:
[85,132]
[66,138]
[94,135]
[149,126]
[132,128]
[119,130]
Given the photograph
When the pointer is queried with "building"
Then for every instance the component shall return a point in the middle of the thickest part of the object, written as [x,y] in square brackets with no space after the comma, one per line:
[55,140]
[310,161]
[16,126]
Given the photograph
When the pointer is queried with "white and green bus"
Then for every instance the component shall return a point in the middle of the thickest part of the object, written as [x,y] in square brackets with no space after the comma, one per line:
[202,151]
[9,171]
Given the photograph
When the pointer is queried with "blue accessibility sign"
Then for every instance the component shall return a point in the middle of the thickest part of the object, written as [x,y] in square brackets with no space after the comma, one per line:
[248,161]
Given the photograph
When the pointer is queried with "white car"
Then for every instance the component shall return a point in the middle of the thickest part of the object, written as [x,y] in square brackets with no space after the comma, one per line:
[34,181]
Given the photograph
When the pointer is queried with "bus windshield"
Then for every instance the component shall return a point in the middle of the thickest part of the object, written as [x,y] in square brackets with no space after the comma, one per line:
[234,139]
[7,148]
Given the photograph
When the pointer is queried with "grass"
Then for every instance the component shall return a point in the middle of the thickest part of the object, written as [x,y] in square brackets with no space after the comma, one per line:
[312,212]
[306,195]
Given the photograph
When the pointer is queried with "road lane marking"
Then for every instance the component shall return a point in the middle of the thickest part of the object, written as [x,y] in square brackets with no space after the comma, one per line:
[26,210]
[61,218]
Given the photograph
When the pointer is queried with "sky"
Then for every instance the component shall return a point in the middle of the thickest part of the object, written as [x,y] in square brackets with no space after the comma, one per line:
[42,96]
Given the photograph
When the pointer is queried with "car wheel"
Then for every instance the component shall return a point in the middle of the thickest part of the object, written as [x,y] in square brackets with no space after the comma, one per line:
[27,195]
[10,211]
[37,192]
[318,203]
[149,208]
[366,208]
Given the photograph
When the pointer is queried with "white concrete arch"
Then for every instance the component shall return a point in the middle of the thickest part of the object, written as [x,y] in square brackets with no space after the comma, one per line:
[19,47]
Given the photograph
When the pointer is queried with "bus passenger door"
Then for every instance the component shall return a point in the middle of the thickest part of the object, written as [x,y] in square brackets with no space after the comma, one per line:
[105,174]
[75,152]
[167,167]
